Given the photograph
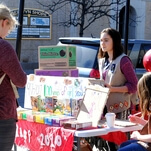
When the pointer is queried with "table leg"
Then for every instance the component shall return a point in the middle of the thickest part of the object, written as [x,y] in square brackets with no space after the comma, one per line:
[77,140]
[128,135]
[78,143]
[15,147]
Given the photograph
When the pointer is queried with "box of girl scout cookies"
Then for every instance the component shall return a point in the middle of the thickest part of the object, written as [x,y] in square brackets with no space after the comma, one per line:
[55,57]
[57,72]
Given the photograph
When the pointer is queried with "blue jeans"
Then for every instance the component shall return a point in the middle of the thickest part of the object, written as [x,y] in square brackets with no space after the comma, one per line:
[131,145]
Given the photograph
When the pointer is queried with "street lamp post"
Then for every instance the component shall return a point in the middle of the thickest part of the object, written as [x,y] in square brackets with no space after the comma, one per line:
[19,30]
[126,25]
[117,14]
[18,39]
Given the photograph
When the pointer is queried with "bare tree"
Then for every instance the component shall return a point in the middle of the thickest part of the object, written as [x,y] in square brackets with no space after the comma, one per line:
[84,12]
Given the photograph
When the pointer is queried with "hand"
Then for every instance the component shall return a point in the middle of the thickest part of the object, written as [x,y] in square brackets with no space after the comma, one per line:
[134,119]
[108,86]
[135,135]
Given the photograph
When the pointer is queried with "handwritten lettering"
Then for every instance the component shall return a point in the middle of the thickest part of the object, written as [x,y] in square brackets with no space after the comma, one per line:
[50,140]
[64,90]
[23,134]
[34,89]
[56,93]
[78,93]
[70,94]
[47,90]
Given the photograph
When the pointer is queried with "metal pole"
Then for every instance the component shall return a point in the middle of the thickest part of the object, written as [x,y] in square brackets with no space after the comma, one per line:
[19,30]
[18,39]
[126,24]
[116,14]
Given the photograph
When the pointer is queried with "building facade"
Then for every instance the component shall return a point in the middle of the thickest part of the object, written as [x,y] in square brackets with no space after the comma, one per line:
[139,25]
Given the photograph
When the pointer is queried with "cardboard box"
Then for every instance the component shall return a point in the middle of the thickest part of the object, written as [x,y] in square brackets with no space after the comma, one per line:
[62,106]
[48,120]
[30,116]
[20,114]
[24,115]
[68,107]
[93,104]
[58,121]
[76,125]
[91,108]
[57,72]
[43,104]
[40,118]
[58,106]
[75,106]
[53,57]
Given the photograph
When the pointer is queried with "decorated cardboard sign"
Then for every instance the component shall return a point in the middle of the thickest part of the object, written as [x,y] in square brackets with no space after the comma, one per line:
[93,104]
[48,92]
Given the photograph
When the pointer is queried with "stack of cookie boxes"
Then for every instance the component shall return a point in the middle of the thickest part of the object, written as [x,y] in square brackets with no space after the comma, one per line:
[43,117]
[57,61]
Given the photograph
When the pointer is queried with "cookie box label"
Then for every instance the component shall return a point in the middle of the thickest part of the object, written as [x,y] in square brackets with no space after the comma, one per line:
[57,57]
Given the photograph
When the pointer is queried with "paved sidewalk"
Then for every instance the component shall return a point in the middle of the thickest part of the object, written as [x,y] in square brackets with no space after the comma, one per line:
[19,149]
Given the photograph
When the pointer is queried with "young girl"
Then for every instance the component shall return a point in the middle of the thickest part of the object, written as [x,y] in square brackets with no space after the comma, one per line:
[141,141]
[117,71]
[10,70]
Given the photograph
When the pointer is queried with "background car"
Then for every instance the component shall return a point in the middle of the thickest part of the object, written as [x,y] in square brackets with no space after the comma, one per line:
[87,49]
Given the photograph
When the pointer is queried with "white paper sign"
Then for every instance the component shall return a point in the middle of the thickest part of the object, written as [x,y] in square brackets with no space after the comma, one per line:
[62,87]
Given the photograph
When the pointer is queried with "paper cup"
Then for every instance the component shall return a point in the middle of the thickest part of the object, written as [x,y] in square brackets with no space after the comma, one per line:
[110,119]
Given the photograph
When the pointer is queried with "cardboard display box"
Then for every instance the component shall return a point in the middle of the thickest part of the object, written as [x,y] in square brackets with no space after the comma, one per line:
[54,57]
[91,108]
[93,104]
[57,72]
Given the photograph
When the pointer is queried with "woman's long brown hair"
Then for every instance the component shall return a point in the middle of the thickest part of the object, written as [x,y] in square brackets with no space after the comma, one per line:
[117,45]
[144,93]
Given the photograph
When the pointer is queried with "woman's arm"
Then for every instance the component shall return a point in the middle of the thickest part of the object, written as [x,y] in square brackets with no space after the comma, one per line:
[117,89]
[129,73]
[10,65]
[145,138]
